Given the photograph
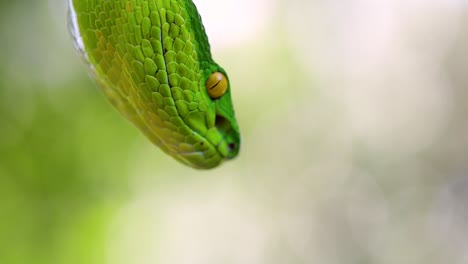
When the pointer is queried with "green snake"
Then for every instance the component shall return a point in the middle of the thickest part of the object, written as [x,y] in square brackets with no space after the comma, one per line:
[152,60]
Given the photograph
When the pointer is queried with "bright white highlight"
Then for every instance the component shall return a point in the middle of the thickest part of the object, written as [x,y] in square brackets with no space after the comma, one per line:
[75,30]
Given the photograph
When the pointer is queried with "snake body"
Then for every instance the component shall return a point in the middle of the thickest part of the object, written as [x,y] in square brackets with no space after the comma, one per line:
[153,62]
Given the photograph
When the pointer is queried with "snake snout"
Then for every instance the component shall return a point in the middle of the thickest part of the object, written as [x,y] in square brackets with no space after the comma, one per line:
[229,147]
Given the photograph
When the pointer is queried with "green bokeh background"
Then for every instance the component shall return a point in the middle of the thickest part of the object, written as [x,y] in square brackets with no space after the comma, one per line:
[354,147]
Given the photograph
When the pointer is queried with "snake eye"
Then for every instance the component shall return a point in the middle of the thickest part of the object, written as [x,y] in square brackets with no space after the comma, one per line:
[217,85]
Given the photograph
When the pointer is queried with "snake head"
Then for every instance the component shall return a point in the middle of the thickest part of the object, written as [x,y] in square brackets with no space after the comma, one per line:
[214,134]
[153,62]
[218,89]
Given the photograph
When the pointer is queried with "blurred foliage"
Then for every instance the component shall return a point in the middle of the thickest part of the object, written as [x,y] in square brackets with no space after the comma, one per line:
[56,187]
[59,182]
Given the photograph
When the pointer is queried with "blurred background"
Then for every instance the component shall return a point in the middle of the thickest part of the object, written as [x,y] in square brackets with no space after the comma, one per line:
[354,128]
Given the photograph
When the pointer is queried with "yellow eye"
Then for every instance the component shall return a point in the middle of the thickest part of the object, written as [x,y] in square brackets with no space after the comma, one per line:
[217,85]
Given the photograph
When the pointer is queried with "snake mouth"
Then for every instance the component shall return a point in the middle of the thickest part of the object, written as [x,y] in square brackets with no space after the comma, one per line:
[229,146]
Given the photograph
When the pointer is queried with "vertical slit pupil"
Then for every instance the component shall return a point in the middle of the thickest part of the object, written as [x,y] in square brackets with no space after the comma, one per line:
[216,84]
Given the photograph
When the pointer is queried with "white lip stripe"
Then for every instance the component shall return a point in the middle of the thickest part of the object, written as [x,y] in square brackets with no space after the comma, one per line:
[75,30]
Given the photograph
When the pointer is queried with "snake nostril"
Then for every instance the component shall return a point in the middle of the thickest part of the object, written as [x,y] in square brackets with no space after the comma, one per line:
[231,146]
